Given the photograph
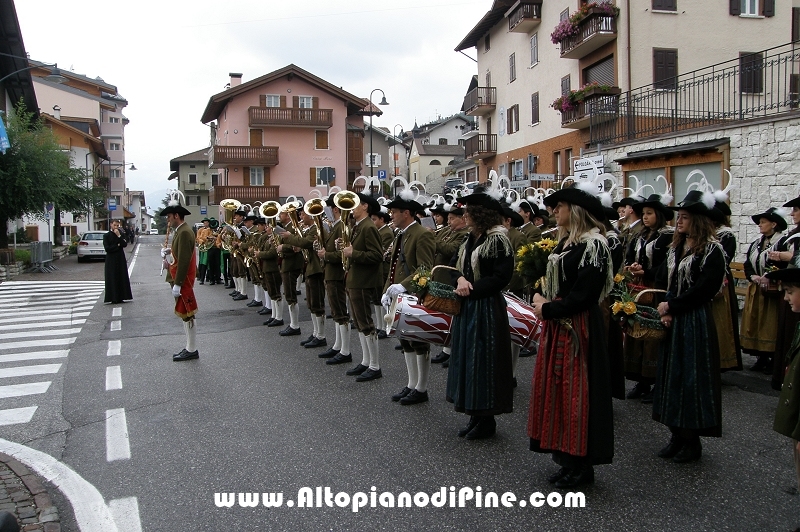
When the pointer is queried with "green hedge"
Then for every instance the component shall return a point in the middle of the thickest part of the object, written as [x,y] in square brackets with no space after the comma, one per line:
[23,255]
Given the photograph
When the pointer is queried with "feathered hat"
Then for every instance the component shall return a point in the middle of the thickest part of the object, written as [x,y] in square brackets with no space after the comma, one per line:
[174,204]
[586,192]
[407,195]
[660,202]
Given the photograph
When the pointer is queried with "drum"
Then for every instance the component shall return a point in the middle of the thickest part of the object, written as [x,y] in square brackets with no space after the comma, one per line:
[524,325]
[409,320]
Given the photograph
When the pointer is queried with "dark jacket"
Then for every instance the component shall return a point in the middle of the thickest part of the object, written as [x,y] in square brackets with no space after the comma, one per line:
[787,416]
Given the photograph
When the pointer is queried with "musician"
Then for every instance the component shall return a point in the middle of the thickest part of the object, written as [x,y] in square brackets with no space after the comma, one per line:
[181,274]
[203,234]
[414,246]
[214,255]
[260,243]
[291,269]
[250,249]
[271,270]
[381,219]
[225,257]
[335,288]
[237,269]
[528,228]
[315,280]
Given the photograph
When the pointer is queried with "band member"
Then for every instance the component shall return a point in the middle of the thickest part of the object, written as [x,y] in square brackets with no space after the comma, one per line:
[528,228]
[272,275]
[236,264]
[247,228]
[181,274]
[291,268]
[214,256]
[381,220]
[335,289]
[414,246]
[203,234]
[249,249]
[632,222]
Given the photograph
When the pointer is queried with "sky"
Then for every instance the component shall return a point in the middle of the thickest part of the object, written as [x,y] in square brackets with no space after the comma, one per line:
[168,57]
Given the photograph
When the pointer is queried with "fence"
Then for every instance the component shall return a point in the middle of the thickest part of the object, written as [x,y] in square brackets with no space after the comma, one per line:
[42,257]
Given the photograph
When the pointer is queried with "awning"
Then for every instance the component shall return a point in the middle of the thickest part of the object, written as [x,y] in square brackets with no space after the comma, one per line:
[127,214]
[694,147]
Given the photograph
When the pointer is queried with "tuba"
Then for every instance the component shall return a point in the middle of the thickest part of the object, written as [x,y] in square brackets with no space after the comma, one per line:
[270,211]
[314,208]
[346,201]
[229,206]
[290,208]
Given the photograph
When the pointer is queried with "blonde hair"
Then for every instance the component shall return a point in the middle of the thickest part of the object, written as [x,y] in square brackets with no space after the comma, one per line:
[580,223]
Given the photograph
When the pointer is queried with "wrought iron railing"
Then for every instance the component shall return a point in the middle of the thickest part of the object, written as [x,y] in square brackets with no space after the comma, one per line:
[756,85]
[592,25]
[479,97]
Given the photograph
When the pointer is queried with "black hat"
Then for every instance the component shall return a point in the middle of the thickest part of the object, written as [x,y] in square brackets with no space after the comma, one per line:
[213,223]
[478,197]
[385,215]
[251,216]
[628,202]
[654,202]
[794,203]
[260,220]
[241,211]
[373,207]
[516,219]
[329,202]
[437,208]
[697,202]
[787,275]
[175,209]
[719,212]
[456,210]
[612,214]
[404,204]
[576,196]
[772,215]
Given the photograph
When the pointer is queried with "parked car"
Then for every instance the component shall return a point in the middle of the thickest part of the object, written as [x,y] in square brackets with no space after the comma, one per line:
[451,183]
[90,246]
[153,231]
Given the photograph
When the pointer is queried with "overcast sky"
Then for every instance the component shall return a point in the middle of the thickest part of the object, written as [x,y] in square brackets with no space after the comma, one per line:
[168,57]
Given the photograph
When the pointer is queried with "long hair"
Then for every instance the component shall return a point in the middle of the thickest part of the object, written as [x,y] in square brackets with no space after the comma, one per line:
[483,219]
[580,223]
[702,230]
[661,221]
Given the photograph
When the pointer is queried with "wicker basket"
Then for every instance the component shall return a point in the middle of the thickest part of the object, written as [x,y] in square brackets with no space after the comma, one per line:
[646,322]
[440,296]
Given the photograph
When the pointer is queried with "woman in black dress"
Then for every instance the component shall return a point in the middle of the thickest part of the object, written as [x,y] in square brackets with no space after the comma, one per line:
[118,286]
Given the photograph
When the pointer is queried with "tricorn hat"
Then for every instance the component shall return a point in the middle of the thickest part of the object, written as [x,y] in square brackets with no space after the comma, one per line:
[174,205]
[787,275]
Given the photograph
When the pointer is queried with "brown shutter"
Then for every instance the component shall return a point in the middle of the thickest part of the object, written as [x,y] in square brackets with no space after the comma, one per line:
[266,176]
[509,112]
[262,100]
[312,175]
[295,101]
[535,108]
[283,102]
[665,69]
[255,137]
[315,102]
[332,182]
[246,176]
[795,24]
[769,8]
[735,7]
[321,139]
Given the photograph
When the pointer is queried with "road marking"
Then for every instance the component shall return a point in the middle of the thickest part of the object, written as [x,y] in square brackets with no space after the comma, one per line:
[33,355]
[24,371]
[18,390]
[88,506]
[65,303]
[116,325]
[114,347]
[51,324]
[28,334]
[38,343]
[113,378]
[15,416]
[46,316]
[117,443]
[117,312]
[45,292]
[133,262]
[126,514]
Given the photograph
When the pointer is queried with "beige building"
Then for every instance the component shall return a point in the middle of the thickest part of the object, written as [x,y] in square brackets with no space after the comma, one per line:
[194,178]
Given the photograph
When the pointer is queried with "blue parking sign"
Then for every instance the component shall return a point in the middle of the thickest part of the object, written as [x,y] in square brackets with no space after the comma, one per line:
[381,174]
[203,210]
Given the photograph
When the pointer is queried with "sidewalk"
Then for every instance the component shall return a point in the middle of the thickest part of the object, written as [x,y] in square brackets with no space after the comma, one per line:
[23,495]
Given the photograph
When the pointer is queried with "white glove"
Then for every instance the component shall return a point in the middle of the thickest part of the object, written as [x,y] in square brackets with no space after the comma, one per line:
[176,290]
[165,252]
[386,300]
[395,289]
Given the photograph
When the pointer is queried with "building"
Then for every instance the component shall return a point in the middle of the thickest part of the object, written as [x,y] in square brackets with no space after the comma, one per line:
[194,178]
[284,133]
[136,205]
[437,148]
[390,153]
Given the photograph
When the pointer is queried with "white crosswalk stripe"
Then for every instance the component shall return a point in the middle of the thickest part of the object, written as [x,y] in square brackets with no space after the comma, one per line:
[39,321]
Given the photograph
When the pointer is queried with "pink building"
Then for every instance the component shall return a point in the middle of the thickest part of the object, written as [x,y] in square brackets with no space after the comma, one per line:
[283,134]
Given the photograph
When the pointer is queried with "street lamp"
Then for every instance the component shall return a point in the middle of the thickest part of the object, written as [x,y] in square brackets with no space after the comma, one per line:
[382,102]
[394,132]
[54,76]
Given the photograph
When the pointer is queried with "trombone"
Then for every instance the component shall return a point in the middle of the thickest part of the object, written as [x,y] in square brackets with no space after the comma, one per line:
[346,201]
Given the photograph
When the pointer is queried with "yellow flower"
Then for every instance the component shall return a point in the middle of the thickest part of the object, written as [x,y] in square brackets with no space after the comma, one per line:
[629,308]
[619,278]
[538,283]
[423,281]
[416,277]
[522,251]
[519,267]
[616,307]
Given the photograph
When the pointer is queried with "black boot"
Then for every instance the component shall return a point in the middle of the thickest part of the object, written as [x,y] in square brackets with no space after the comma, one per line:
[673,447]
[473,420]
[692,450]
[485,428]
[579,476]
[201,273]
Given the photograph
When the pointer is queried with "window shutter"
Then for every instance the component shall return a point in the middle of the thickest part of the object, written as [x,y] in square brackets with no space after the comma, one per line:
[535,108]
[295,101]
[735,7]
[565,85]
[509,114]
[312,175]
[315,102]
[769,8]
[246,176]
[283,102]
[262,100]
[321,140]
[795,24]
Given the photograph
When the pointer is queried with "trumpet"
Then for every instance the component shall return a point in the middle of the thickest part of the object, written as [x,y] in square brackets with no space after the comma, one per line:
[346,201]
[314,208]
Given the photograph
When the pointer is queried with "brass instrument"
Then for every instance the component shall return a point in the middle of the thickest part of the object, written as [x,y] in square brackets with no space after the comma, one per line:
[290,208]
[229,206]
[315,207]
[270,211]
[346,201]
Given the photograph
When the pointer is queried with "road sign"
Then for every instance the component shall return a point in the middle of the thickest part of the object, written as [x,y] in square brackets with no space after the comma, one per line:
[327,174]
[112,207]
[49,206]
[112,202]
[203,210]
[583,168]
[381,174]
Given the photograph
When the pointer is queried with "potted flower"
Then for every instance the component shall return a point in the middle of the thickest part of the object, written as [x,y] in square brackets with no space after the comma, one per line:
[571,26]
[573,98]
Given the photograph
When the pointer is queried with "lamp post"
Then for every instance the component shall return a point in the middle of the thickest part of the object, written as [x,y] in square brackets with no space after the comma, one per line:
[54,76]
[111,166]
[382,102]
[394,132]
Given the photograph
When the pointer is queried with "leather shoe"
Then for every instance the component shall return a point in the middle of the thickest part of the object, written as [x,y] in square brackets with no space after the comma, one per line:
[181,353]
[234,293]
[690,452]
[254,303]
[330,353]
[289,331]
[402,393]
[358,370]
[398,347]
[525,353]
[558,475]
[369,375]
[760,364]
[415,397]
[485,428]
[186,355]
[265,311]
[273,323]
[202,282]
[673,447]
[441,357]
[339,359]
[304,342]
[316,342]
[473,422]
[382,335]
[638,391]
[240,297]
[577,477]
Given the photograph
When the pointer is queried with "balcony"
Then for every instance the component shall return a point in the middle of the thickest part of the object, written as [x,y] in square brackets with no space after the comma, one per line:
[222,156]
[480,101]
[243,194]
[594,30]
[597,106]
[524,16]
[480,146]
[469,130]
[290,117]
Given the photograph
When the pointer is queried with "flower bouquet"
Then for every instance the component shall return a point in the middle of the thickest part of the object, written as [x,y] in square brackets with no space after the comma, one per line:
[638,321]
[532,260]
[435,295]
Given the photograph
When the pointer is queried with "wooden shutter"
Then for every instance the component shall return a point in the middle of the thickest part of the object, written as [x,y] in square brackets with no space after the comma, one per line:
[262,100]
[246,176]
[321,140]
[795,24]
[769,8]
[283,102]
[751,73]
[255,137]
[266,176]
[315,102]
[535,108]
[312,175]
[295,101]
[509,114]
[735,7]
[665,69]
[565,85]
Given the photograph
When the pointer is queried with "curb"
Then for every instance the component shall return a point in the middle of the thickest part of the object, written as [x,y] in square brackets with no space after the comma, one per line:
[24,496]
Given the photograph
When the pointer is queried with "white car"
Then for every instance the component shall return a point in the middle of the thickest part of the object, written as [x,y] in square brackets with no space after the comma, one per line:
[91,246]
[153,231]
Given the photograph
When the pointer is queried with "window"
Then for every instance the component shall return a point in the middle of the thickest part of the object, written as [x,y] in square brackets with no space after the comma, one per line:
[749,7]
[256,176]
[193,178]
[321,139]
[501,170]
[534,49]
[322,176]
[114,146]
[513,119]
[488,79]
[273,100]
[113,120]
[665,5]
[557,167]
[375,158]
[306,102]
[461,142]
[115,173]
[568,159]
[214,180]
[566,85]
[486,43]
[519,173]
[751,72]
[512,68]
[535,108]
[442,142]
[435,162]
[192,200]
[564,15]
[601,72]
[665,69]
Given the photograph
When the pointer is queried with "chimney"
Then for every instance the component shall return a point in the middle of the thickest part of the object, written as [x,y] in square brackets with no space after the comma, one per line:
[236,79]
[57,112]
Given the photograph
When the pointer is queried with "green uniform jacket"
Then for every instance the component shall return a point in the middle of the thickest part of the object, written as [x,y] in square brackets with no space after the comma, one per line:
[419,247]
[787,416]
[268,255]
[292,260]
[306,241]
[447,244]
[367,257]
[518,240]
[183,251]
[333,258]
[628,235]
[387,237]
[531,232]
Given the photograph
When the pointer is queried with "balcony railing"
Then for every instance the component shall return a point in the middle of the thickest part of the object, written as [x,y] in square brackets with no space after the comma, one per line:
[480,146]
[759,85]
[594,31]
[596,107]
[469,130]
[243,194]
[524,16]
[220,156]
[480,101]
[291,117]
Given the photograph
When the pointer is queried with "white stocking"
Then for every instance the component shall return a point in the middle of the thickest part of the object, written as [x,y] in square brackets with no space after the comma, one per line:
[447,350]
[364,349]
[411,366]
[344,331]
[191,335]
[321,327]
[374,354]
[424,367]
[294,315]
[267,300]
[337,345]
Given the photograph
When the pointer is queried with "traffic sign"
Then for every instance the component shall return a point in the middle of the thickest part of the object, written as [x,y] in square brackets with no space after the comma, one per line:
[203,210]
[382,174]
[327,174]
[112,207]
[112,202]
[583,168]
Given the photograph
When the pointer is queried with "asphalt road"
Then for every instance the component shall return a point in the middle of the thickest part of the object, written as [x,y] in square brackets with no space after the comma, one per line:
[257,413]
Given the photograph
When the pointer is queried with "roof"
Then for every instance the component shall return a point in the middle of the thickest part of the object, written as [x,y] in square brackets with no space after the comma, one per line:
[692,147]
[87,125]
[19,85]
[97,144]
[492,17]
[111,104]
[98,81]
[195,156]
[217,103]
[424,129]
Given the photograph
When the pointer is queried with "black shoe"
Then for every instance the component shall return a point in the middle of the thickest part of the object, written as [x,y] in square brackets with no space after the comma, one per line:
[638,391]
[761,364]
[297,292]
[558,475]
[525,353]
[316,342]
[330,353]
[441,357]
[201,282]
[339,359]
[240,297]
[690,452]
[304,342]
[254,303]
[353,326]
[265,311]
[446,364]
[768,369]
[273,323]
[358,370]
[186,355]
[577,477]
[473,422]
[415,397]
[369,375]
[182,352]
[229,284]
[290,331]
[234,293]
[402,393]
[382,335]
[673,447]
[398,347]
[648,398]
[485,428]
[514,382]
[267,323]
[212,283]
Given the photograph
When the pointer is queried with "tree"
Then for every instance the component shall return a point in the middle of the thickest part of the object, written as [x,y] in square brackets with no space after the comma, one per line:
[161,222]
[35,171]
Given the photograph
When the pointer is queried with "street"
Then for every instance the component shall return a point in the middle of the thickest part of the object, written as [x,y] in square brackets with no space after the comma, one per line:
[257,414]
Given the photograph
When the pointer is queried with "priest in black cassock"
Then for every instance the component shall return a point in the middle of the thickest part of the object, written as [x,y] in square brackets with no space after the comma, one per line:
[118,285]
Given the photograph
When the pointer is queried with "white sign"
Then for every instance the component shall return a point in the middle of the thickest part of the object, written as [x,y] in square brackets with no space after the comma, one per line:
[584,168]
